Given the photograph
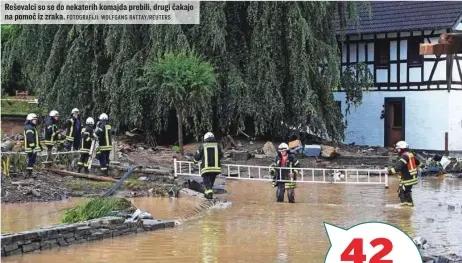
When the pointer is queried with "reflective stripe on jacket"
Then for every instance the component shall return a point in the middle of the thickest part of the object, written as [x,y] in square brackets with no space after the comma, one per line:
[209,154]
[31,139]
[50,132]
[104,133]
[283,174]
[406,169]
[87,138]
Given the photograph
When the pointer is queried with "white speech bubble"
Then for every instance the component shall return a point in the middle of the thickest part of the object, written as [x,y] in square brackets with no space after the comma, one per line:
[380,243]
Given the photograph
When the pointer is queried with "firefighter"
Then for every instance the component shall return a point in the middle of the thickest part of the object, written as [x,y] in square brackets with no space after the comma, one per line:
[88,136]
[209,155]
[406,170]
[104,133]
[73,130]
[285,159]
[50,131]
[31,141]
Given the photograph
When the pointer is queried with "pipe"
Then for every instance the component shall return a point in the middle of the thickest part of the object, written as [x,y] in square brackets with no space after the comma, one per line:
[119,183]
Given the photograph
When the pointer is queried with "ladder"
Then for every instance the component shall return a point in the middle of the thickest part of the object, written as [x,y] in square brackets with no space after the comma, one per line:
[307,175]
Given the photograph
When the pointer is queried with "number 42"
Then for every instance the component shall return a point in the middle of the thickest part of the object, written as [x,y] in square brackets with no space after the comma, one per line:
[358,255]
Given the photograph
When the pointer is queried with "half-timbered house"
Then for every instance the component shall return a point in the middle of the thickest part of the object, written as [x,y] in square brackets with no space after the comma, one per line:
[414,98]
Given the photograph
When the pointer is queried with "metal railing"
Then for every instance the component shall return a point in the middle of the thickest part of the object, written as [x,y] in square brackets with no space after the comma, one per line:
[306,175]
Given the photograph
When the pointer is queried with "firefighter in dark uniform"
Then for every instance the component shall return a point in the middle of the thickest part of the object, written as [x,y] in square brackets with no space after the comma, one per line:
[104,133]
[50,131]
[73,130]
[88,136]
[406,170]
[285,159]
[209,155]
[31,141]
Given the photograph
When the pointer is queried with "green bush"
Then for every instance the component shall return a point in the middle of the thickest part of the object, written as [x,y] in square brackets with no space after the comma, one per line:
[95,208]
[176,148]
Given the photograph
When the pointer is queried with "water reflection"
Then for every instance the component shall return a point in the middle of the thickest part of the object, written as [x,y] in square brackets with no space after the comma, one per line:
[210,241]
[282,238]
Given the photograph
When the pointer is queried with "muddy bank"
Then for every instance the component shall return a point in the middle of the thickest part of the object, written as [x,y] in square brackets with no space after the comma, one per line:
[46,187]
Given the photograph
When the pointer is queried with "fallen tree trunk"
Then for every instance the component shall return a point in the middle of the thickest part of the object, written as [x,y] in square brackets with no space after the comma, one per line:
[86,176]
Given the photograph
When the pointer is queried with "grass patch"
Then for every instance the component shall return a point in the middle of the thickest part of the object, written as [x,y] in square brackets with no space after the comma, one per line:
[95,208]
[135,184]
[20,107]
[100,185]
[93,185]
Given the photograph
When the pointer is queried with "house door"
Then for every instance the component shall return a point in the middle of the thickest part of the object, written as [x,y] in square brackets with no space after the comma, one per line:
[394,121]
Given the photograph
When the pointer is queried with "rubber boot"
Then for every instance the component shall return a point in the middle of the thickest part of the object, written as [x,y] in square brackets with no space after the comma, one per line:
[79,169]
[86,171]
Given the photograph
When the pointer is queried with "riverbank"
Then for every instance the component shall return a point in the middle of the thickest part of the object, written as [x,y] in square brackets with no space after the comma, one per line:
[47,187]
[62,235]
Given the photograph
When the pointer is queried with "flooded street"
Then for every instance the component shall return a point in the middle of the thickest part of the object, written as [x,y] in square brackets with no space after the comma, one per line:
[256,229]
[28,216]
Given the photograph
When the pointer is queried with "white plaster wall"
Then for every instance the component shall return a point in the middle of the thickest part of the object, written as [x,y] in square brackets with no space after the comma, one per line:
[425,119]
[455,69]
[455,119]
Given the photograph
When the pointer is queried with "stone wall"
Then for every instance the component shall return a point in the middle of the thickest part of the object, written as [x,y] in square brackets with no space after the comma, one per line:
[67,234]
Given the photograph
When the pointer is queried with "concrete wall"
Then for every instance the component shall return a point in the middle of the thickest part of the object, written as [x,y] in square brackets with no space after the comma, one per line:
[426,118]
[64,235]
[97,229]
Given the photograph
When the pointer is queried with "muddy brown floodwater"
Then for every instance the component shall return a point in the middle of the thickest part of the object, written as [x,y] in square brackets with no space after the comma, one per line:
[256,229]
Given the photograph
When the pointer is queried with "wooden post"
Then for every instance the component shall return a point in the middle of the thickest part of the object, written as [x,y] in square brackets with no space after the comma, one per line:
[446,144]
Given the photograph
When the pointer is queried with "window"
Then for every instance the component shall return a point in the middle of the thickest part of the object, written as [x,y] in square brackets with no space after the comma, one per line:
[413,56]
[397,115]
[382,54]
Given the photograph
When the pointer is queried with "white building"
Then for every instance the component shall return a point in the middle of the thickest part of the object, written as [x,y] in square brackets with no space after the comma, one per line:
[421,96]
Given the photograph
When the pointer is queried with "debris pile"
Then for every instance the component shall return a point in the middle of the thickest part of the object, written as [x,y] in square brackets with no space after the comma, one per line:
[422,244]
[438,165]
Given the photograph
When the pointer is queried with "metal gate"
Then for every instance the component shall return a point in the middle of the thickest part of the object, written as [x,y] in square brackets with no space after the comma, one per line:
[307,175]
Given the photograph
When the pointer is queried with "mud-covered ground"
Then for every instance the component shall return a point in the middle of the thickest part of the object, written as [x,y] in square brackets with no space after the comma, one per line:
[47,187]
[52,187]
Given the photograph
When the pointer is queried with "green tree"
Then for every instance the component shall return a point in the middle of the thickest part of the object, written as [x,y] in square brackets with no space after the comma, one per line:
[184,83]
[267,56]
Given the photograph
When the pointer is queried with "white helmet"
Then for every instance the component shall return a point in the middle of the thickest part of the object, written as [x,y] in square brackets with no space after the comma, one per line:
[401,145]
[103,116]
[31,116]
[54,113]
[75,110]
[208,135]
[283,147]
[90,120]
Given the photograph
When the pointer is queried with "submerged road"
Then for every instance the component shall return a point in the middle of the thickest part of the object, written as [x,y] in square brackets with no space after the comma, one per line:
[256,229]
